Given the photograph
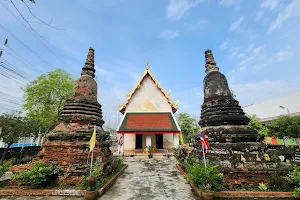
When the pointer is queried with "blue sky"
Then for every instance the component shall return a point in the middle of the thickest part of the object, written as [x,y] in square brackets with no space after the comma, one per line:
[255,44]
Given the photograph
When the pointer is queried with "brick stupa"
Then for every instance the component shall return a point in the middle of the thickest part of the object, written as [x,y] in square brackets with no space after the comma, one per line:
[68,143]
[225,124]
[236,148]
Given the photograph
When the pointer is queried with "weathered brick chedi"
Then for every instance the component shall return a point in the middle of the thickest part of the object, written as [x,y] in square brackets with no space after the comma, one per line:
[234,145]
[68,144]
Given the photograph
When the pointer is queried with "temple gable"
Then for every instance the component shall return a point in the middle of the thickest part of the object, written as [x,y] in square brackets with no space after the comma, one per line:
[148,97]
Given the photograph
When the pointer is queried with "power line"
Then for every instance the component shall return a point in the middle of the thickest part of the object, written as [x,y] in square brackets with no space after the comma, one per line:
[22,59]
[9,89]
[18,59]
[10,68]
[18,99]
[9,101]
[11,77]
[13,67]
[8,107]
[25,45]
[33,31]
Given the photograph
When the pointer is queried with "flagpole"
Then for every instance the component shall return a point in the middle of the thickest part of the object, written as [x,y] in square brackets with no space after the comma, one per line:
[91,162]
[92,145]
[203,155]
[123,145]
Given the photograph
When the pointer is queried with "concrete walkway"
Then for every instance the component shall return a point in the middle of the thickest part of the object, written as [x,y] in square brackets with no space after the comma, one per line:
[41,198]
[150,179]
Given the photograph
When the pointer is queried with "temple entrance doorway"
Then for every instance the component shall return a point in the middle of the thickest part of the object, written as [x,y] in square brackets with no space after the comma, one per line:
[159,141]
[138,141]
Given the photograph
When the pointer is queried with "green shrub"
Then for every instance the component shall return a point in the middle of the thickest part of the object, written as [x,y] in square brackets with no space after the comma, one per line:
[188,163]
[278,182]
[118,163]
[294,177]
[38,174]
[296,192]
[180,153]
[97,172]
[5,167]
[207,179]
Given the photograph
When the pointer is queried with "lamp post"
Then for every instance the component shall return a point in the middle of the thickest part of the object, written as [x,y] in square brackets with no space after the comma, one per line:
[285,108]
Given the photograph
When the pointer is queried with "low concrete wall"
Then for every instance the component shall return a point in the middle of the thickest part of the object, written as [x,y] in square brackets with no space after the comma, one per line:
[49,192]
[239,194]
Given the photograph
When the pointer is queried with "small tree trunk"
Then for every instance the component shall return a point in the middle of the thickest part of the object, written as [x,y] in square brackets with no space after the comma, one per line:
[4,154]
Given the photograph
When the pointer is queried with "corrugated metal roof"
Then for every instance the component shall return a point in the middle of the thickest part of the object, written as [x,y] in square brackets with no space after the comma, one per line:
[272,108]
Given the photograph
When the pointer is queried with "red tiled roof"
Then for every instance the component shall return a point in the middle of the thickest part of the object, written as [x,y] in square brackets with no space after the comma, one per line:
[163,121]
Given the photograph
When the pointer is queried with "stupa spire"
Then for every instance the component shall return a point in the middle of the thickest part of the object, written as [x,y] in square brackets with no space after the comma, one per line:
[88,68]
[210,63]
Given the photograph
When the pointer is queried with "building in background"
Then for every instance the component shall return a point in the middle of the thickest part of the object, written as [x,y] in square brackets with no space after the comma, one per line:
[271,109]
[148,116]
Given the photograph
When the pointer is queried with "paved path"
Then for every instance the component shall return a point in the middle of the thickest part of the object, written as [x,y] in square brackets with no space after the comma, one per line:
[144,179]
[41,198]
[150,179]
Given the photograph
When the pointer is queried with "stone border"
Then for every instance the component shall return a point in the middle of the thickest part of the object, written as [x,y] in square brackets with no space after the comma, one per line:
[111,181]
[49,192]
[239,194]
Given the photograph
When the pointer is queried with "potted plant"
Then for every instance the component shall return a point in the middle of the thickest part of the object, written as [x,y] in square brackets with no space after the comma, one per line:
[151,150]
[91,192]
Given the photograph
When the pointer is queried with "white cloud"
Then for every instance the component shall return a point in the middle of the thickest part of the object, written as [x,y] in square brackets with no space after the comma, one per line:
[269,4]
[258,15]
[227,3]
[224,45]
[291,10]
[197,91]
[283,55]
[250,47]
[196,24]
[233,52]
[236,24]
[255,54]
[177,8]
[241,56]
[169,34]
[248,93]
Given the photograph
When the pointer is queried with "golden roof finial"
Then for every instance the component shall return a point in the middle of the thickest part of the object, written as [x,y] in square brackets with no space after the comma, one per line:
[147,66]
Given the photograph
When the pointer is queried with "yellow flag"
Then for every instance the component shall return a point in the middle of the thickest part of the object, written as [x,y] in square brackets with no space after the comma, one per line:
[93,140]
[181,138]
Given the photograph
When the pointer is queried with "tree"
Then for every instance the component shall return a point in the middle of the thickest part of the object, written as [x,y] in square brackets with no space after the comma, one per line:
[188,125]
[109,131]
[288,126]
[232,93]
[256,125]
[15,127]
[45,96]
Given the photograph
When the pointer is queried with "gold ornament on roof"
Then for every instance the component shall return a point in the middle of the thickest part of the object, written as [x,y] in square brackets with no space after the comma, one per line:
[168,94]
[127,95]
[176,104]
[147,66]
[119,104]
